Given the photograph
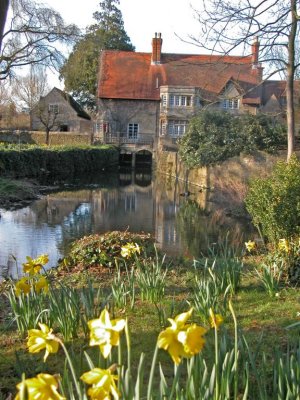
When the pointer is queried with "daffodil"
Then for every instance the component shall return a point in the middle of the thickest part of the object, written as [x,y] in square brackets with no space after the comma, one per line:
[41,284]
[215,319]
[181,339]
[283,245]
[34,265]
[103,384]
[105,332]
[42,387]
[250,245]
[22,286]
[40,339]
[130,249]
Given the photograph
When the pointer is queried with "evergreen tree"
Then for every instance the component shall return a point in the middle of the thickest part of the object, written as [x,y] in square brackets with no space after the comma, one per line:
[81,69]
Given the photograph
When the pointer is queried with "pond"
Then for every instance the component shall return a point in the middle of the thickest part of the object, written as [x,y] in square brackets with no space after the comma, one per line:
[182,219]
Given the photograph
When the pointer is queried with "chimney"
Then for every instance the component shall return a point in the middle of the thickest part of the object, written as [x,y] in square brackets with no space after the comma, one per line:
[257,69]
[156,49]
[255,51]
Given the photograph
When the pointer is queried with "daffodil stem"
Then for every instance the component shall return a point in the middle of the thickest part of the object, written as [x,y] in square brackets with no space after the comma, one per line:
[217,363]
[78,390]
[128,343]
[177,370]
[151,377]
[235,350]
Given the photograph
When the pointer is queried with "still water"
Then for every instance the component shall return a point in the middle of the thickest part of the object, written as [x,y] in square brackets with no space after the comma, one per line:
[182,224]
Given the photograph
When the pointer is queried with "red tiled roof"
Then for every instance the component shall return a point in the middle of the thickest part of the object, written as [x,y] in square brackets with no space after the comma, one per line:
[276,88]
[130,75]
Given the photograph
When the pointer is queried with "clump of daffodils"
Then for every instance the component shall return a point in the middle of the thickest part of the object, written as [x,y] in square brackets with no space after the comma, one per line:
[283,245]
[250,245]
[34,265]
[105,332]
[182,339]
[43,387]
[130,249]
[34,280]
[103,384]
[40,339]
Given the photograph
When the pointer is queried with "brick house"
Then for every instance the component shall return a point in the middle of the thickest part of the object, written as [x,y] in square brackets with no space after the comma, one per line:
[61,113]
[152,96]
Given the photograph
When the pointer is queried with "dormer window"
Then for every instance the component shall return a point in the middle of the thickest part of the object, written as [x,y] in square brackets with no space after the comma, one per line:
[232,104]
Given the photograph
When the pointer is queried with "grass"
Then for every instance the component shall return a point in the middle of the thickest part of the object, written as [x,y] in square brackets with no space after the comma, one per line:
[261,318]
[15,190]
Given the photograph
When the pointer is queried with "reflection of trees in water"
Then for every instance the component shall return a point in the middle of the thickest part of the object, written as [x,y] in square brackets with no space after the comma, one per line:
[199,230]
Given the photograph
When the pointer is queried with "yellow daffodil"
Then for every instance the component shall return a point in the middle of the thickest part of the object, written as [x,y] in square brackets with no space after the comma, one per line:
[22,286]
[42,339]
[181,339]
[215,319]
[250,245]
[34,265]
[283,245]
[42,387]
[41,284]
[103,384]
[105,332]
[130,249]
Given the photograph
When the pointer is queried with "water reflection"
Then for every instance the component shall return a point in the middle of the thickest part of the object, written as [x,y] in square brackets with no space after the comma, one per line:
[137,202]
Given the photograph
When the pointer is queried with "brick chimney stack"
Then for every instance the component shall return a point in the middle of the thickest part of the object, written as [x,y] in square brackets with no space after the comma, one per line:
[156,49]
[257,69]
[255,51]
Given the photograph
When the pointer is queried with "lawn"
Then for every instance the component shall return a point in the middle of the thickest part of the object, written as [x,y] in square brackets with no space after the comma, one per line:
[255,358]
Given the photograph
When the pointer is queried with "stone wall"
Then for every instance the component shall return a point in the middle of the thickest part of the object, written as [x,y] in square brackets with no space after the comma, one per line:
[223,185]
[37,137]
[241,168]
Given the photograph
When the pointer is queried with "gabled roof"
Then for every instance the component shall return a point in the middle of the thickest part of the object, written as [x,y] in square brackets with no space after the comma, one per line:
[130,75]
[76,106]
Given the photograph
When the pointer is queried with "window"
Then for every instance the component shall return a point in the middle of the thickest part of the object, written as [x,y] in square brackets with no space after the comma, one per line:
[177,127]
[105,127]
[53,108]
[164,100]
[182,101]
[230,103]
[133,130]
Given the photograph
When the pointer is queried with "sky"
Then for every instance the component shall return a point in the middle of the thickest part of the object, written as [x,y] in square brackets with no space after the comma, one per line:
[142,18]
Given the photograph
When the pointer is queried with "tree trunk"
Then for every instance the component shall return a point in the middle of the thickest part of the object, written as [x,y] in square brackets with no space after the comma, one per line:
[47,136]
[3,14]
[290,109]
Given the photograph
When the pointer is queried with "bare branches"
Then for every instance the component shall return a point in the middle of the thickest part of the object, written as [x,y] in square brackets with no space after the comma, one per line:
[229,25]
[34,35]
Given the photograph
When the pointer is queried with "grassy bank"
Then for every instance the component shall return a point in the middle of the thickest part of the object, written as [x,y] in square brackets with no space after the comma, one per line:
[14,191]
[253,358]
[60,162]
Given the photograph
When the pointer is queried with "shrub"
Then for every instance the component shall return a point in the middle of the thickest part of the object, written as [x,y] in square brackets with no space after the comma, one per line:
[274,202]
[104,250]
[215,136]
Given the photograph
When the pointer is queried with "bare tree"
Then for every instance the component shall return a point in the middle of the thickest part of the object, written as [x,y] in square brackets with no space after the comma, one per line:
[48,118]
[4,4]
[28,89]
[34,35]
[231,24]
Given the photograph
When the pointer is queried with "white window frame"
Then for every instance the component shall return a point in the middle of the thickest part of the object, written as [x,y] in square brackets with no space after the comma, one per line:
[177,128]
[133,130]
[180,100]
[231,104]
